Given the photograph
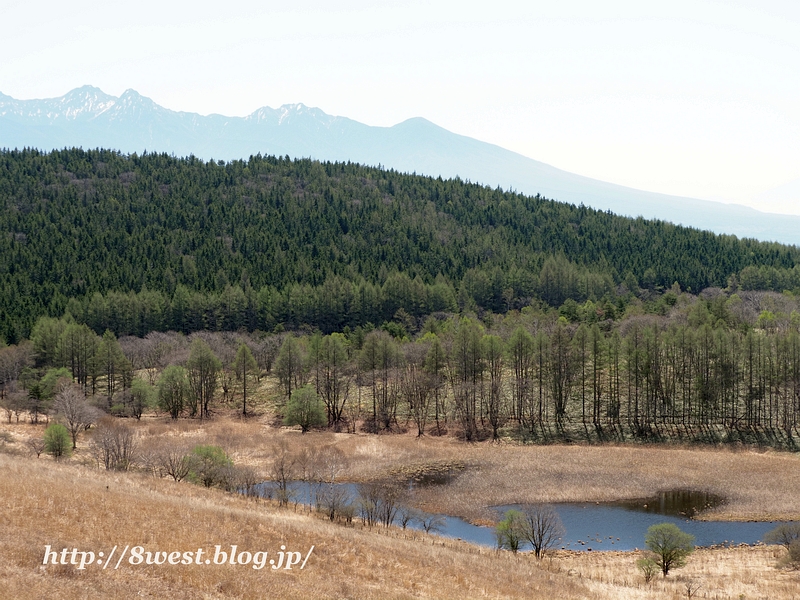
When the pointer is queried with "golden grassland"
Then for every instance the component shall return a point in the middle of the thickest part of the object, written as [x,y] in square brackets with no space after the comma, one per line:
[69,505]
[761,485]
[75,504]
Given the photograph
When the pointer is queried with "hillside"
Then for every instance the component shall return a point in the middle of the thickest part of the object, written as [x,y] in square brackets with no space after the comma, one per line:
[326,244]
[134,508]
[89,118]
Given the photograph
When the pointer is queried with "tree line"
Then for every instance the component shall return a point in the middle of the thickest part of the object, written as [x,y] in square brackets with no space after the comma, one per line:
[153,242]
[719,368]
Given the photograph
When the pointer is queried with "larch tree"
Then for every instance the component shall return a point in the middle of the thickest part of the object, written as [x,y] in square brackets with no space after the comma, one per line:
[245,368]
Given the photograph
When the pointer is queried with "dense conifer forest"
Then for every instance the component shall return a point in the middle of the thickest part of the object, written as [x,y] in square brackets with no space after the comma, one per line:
[154,242]
[176,285]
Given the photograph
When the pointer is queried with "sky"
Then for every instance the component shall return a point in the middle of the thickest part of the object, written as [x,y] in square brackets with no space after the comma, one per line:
[694,98]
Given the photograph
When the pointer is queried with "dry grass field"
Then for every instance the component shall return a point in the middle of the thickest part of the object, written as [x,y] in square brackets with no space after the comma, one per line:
[75,504]
[758,485]
[67,505]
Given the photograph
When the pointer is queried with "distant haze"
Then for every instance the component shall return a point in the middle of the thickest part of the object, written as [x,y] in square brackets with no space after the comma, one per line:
[87,117]
[782,199]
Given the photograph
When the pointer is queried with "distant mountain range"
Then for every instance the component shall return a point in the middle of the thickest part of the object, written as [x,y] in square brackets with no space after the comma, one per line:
[87,117]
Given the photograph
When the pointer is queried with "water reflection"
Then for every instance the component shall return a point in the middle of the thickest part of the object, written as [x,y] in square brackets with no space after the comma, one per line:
[594,526]
[677,503]
[616,527]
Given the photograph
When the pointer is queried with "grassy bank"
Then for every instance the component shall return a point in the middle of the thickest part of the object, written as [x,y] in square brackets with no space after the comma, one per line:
[69,505]
[758,485]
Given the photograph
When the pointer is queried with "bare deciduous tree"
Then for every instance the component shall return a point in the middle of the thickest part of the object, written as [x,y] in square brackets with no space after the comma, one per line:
[543,527]
[36,445]
[331,497]
[13,359]
[115,444]
[74,410]
[168,459]
[245,367]
[245,480]
[417,386]
[265,351]
[431,523]
[380,501]
[282,473]
[332,376]
[14,401]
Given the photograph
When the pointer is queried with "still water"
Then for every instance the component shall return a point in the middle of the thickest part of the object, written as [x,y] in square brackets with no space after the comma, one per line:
[614,526]
[600,526]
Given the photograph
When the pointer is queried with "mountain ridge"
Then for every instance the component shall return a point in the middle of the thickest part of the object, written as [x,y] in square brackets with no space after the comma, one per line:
[132,122]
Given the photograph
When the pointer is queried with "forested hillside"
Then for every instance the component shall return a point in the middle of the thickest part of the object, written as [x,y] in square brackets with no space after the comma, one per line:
[444,303]
[153,242]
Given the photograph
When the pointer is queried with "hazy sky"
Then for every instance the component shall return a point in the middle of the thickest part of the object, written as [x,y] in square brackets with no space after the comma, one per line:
[696,98]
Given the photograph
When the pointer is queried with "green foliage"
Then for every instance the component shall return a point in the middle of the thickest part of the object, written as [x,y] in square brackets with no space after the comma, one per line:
[57,441]
[305,409]
[50,381]
[510,531]
[670,546]
[173,389]
[210,465]
[330,359]
[143,397]
[45,337]
[125,243]
[648,567]
[110,361]
[290,364]
[202,369]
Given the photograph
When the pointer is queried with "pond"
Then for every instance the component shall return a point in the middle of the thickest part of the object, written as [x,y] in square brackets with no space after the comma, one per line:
[622,526]
[597,526]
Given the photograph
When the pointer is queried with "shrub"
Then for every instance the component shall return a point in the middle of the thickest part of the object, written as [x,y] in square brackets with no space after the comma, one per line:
[510,532]
[648,566]
[57,441]
[209,466]
[788,536]
[794,553]
[305,409]
[785,535]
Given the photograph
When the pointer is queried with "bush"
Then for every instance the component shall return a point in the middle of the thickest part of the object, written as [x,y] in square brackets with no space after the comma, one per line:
[648,566]
[57,441]
[794,553]
[510,532]
[305,409]
[788,536]
[115,444]
[210,466]
[785,535]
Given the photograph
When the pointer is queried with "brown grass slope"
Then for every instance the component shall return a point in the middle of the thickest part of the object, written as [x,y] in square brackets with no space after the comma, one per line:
[68,506]
[73,505]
